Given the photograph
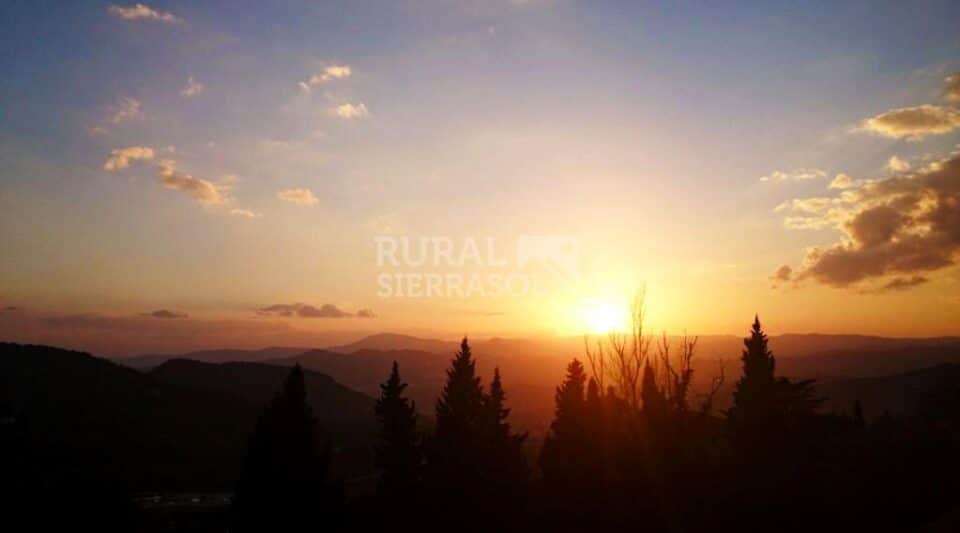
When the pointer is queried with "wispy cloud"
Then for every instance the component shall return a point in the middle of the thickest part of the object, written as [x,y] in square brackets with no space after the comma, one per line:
[351,111]
[203,191]
[329,73]
[142,12]
[244,213]
[794,175]
[165,314]
[844,181]
[914,123]
[121,157]
[126,109]
[303,310]
[192,88]
[298,196]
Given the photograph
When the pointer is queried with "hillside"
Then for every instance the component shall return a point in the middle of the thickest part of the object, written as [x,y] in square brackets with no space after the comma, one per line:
[907,393]
[70,418]
[345,414]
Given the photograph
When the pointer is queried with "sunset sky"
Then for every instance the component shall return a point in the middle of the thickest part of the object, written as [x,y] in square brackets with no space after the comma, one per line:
[181,175]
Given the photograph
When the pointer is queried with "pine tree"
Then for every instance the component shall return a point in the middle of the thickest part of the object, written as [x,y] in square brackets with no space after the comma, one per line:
[505,471]
[563,457]
[755,395]
[775,429]
[454,453]
[286,480]
[398,454]
[495,411]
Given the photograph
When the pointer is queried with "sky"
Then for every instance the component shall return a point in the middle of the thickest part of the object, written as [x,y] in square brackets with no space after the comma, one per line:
[183,175]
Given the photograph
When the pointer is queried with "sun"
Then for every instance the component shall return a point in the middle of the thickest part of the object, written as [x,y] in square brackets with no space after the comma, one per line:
[602,317]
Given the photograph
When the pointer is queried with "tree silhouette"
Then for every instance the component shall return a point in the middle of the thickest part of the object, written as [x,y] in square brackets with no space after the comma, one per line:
[857,416]
[776,432]
[567,445]
[755,409]
[286,480]
[505,471]
[398,453]
[455,465]
[654,401]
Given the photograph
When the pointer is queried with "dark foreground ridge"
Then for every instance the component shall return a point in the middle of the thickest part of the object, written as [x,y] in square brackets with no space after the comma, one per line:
[632,445]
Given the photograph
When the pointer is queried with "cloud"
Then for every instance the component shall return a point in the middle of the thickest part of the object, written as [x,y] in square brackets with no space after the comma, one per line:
[901,226]
[141,12]
[900,284]
[329,73]
[952,90]
[303,310]
[121,157]
[166,314]
[795,175]
[895,164]
[127,108]
[350,111]
[806,205]
[843,181]
[192,88]
[298,196]
[203,191]
[781,275]
[914,123]
[244,213]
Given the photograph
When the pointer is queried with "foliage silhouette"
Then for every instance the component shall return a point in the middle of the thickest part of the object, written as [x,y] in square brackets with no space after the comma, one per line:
[398,455]
[286,484]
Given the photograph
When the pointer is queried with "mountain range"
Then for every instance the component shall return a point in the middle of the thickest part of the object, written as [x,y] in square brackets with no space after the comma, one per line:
[532,368]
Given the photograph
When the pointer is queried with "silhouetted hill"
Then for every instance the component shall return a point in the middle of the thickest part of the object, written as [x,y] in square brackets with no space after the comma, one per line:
[862,362]
[346,414]
[801,345]
[907,393]
[364,370]
[395,341]
[68,418]
[146,362]
[531,367]
[72,417]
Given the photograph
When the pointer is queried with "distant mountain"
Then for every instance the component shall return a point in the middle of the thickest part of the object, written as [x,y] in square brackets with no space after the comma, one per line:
[146,362]
[800,345]
[344,413]
[68,418]
[395,341]
[533,367]
[907,393]
[365,370]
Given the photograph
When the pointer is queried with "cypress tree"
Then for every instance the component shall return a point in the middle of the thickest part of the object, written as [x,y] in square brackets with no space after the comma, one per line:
[398,454]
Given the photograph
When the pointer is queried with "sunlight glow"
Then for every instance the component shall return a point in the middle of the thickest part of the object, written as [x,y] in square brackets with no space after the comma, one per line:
[603,316]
